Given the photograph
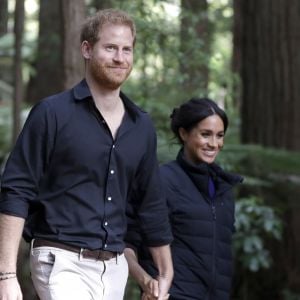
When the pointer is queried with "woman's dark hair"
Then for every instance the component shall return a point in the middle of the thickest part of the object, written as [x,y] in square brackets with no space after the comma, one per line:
[190,113]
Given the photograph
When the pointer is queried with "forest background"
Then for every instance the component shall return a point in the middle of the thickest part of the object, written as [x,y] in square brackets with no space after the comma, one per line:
[243,54]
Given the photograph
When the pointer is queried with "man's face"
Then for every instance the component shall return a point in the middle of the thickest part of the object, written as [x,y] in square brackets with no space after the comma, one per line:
[110,60]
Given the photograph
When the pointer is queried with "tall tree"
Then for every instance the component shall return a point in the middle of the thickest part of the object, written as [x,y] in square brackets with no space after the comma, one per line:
[236,55]
[18,80]
[3,16]
[48,76]
[101,4]
[270,71]
[195,45]
[58,62]
[73,14]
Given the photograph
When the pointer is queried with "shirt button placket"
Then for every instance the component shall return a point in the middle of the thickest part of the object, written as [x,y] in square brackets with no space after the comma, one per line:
[109,198]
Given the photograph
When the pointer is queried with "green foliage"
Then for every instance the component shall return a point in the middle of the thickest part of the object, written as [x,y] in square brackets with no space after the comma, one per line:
[5,131]
[288,295]
[6,45]
[132,291]
[6,128]
[254,222]
[28,49]
[276,160]
[167,148]
[155,73]
[263,163]
[222,80]
[259,161]
[156,82]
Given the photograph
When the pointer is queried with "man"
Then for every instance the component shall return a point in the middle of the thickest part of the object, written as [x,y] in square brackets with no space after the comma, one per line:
[79,157]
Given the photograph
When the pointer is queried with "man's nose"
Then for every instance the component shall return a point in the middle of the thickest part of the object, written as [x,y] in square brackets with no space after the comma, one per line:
[119,56]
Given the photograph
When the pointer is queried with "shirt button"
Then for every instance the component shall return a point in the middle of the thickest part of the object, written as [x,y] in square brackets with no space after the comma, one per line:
[109,198]
[105,223]
[105,245]
[113,146]
[112,171]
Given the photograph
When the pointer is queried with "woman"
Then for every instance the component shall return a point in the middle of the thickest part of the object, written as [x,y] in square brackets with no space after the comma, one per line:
[201,209]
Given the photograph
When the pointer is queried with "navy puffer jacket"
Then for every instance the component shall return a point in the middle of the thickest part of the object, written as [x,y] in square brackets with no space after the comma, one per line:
[202,228]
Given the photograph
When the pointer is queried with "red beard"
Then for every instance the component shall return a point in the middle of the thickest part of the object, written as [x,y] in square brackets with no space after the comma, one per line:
[110,75]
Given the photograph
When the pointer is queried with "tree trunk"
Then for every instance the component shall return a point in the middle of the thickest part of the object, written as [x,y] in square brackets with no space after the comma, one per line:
[73,14]
[59,64]
[270,72]
[195,46]
[101,4]
[49,76]
[236,55]
[3,17]
[18,81]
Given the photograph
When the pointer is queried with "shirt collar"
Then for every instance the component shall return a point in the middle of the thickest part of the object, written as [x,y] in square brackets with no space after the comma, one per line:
[82,92]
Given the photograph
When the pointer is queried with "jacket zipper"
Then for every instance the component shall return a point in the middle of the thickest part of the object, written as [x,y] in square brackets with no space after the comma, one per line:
[214,214]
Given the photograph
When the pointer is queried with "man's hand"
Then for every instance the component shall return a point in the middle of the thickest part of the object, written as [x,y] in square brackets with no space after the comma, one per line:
[150,289]
[153,289]
[10,289]
[148,284]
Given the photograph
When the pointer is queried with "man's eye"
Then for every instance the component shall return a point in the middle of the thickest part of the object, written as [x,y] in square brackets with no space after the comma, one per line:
[110,48]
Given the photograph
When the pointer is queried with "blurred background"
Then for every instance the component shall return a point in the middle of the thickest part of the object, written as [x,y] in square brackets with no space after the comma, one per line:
[243,54]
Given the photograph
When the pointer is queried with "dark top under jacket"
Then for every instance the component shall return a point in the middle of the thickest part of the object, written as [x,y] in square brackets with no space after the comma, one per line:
[71,180]
[202,229]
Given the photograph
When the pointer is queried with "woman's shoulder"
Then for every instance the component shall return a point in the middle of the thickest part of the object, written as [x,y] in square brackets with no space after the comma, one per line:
[172,174]
[170,168]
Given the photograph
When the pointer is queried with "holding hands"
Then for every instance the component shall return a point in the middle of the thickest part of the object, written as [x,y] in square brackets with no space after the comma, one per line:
[151,291]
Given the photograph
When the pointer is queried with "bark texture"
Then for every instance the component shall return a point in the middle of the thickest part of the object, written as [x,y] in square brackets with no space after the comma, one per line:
[270,71]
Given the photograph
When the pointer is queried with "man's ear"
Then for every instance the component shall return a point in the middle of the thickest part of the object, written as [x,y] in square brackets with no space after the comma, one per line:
[86,49]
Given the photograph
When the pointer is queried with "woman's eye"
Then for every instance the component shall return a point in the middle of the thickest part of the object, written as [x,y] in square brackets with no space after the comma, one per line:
[205,134]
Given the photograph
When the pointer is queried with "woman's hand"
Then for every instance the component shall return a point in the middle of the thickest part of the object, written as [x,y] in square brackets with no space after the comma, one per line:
[151,290]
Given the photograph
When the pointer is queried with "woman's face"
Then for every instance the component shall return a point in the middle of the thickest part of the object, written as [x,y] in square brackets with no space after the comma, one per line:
[204,141]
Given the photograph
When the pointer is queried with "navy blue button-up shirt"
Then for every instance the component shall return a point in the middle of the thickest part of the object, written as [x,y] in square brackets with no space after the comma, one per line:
[71,180]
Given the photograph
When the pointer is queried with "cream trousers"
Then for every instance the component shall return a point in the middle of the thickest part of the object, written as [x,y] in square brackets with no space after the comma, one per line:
[63,275]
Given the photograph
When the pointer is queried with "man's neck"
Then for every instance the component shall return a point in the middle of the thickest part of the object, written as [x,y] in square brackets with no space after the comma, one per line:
[109,104]
[105,99]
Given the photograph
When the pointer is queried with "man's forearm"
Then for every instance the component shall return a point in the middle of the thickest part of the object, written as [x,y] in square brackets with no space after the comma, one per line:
[148,284]
[10,234]
[135,269]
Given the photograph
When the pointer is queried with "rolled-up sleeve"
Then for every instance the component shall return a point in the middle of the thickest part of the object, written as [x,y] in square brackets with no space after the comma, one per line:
[26,163]
[150,202]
